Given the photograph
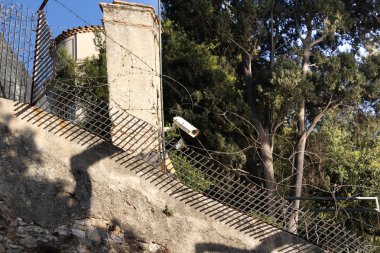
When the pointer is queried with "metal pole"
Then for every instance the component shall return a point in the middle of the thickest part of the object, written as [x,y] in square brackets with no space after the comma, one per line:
[42,5]
[38,34]
[376,199]
[161,85]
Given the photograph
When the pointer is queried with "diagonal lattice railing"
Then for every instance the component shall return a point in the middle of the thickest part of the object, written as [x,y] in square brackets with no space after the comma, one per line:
[81,107]
[44,66]
[215,181]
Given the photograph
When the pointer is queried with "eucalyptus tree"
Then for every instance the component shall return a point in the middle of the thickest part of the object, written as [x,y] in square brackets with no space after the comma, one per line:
[287,57]
[237,29]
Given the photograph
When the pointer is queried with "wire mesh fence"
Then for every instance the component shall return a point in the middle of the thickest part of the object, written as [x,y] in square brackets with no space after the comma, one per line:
[16,51]
[44,66]
[83,108]
[193,169]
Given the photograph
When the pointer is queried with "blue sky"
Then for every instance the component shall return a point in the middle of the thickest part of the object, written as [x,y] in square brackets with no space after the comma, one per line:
[61,19]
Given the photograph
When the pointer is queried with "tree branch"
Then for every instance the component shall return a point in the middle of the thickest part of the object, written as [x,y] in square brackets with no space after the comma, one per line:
[274,130]
[319,40]
[240,46]
[299,30]
[331,105]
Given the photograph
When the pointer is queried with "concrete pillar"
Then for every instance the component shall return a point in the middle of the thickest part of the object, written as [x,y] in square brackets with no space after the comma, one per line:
[133,64]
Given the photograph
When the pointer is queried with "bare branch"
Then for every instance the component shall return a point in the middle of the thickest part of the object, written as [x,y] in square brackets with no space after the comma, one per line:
[331,105]
[319,40]
[299,30]
[240,46]
[274,133]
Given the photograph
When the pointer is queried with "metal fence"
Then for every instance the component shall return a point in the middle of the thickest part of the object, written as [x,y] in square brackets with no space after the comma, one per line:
[17,34]
[81,107]
[194,169]
[44,66]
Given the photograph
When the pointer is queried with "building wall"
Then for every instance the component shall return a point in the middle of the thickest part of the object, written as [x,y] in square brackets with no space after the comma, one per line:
[80,46]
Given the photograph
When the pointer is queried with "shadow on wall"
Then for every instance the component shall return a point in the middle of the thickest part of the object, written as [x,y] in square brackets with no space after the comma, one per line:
[219,248]
[273,243]
[44,199]
[34,192]
[54,196]
[79,166]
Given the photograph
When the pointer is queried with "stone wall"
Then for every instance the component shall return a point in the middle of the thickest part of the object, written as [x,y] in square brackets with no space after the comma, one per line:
[87,235]
[67,191]
[133,63]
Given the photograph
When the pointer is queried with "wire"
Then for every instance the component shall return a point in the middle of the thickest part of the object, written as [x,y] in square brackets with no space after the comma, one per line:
[126,49]
[210,152]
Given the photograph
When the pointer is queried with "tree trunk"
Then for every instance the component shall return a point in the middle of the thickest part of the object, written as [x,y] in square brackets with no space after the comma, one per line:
[298,166]
[264,139]
[267,161]
[296,188]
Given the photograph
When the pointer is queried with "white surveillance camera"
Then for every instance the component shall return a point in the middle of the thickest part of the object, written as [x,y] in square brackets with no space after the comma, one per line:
[181,123]
[185,126]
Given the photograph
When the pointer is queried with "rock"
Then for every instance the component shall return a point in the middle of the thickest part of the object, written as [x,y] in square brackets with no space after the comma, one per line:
[116,239]
[2,248]
[21,223]
[62,227]
[82,249]
[152,247]
[79,233]
[13,223]
[80,222]
[21,231]
[14,246]
[99,223]
[11,235]
[13,251]
[143,246]
[29,242]
[93,235]
[42,240]
[60,231]
[79,227]
[37,229]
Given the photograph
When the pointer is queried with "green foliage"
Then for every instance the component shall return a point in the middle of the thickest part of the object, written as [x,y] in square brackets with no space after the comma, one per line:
[66,69]
[349,145]
[342,153]
[209,99]
[347,148]
[167,211]
[88,79]
[188,174]
[267,218]
[371,70]
[91,73]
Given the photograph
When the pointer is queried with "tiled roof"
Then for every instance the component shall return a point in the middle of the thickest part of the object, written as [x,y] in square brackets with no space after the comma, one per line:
[81,29]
